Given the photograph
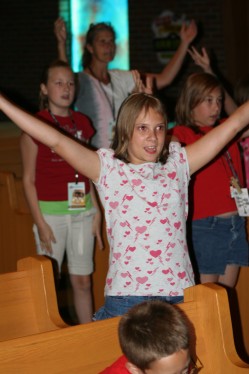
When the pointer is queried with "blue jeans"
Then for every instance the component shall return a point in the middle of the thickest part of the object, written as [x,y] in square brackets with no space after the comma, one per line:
[118,305]
[218,242]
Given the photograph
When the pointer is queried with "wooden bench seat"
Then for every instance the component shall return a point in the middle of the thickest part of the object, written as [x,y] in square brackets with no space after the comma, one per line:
[28,302]
[91,347]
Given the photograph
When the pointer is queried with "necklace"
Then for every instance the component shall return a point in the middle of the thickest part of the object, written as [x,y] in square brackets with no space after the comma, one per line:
[111,100]
[60,126]
[234,180]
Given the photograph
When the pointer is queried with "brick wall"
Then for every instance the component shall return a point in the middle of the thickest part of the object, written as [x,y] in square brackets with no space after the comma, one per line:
[27,42]
[208,15]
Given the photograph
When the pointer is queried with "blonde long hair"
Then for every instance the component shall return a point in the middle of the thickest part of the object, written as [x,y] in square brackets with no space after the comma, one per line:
[128,113]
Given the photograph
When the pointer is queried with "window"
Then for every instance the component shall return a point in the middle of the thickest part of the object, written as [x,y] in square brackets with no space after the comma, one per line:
[79,14]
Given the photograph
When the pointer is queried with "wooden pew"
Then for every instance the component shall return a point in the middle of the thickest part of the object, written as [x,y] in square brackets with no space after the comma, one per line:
[10,156]
[207,307]
[28,303]
[241,306]
[90,348]
[16,236]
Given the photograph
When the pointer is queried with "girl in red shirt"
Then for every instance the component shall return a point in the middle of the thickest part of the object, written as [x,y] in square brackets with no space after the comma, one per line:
[62,202]
[218,234]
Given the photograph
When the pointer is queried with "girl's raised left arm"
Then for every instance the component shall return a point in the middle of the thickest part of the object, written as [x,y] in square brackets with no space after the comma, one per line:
[205,149]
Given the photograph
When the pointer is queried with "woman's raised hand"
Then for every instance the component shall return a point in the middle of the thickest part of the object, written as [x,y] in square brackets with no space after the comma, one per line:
[60,30]
[188,32]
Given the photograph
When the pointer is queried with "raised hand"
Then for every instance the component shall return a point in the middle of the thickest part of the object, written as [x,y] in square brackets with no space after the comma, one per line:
[201,59]
[188,32]
[140,84]
[60,30]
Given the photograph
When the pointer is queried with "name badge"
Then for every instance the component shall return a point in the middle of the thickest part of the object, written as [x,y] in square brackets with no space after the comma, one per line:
[241,199]
[76,196]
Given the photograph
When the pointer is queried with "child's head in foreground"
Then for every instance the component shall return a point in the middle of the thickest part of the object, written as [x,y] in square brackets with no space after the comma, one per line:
[154,337]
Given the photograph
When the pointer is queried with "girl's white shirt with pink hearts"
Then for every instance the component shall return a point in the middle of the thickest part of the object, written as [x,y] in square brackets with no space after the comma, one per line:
[146,207]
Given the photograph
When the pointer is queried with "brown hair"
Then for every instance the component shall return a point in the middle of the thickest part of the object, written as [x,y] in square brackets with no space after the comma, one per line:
[43,99]
[92,32]
[152,330]
[196,88]
[128,113]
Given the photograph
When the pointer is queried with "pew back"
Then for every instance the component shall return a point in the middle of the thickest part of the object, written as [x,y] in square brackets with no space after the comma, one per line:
[10,156]
[16,237]
[90,348]
[28,303]
[207,308]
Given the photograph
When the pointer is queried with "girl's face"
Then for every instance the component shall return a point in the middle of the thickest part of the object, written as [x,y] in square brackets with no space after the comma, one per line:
[148,138]
[60,89]
[208,111]
[103,47]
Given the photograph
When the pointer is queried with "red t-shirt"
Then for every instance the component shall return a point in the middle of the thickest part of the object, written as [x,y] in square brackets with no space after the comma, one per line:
[52,172]
[209,192]
[118,367]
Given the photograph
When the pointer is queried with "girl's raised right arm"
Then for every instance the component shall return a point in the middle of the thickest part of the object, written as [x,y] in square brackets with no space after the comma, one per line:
[84,160]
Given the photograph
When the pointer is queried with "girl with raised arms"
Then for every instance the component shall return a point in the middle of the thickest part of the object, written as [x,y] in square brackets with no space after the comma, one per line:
[143,186]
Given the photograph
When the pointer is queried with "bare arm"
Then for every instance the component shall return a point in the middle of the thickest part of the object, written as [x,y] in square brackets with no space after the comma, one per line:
[60,32]
[29,155]
[187,33]
[84,160]
[206,148]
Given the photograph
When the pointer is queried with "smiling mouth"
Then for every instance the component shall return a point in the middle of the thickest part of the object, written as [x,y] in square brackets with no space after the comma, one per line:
[150,149]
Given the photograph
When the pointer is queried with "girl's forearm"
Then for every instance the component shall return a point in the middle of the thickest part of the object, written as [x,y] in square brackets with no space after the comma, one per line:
[206,148]
[28,123]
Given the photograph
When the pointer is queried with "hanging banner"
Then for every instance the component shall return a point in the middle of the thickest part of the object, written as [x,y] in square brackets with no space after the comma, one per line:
[166,28]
